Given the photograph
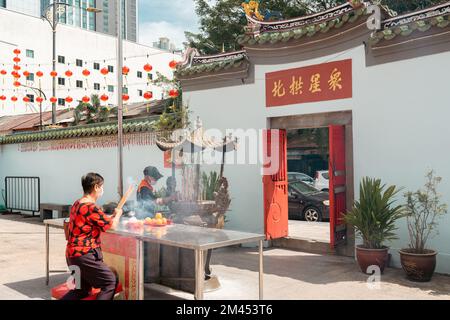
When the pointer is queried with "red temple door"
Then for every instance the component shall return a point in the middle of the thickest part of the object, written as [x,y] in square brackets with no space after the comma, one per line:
[337,174]
[275,183]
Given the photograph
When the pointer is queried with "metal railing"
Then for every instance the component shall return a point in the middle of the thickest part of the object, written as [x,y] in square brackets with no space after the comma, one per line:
[23,194]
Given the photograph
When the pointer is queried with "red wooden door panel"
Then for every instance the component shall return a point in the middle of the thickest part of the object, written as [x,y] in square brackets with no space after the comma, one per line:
[275,184]
[337,173]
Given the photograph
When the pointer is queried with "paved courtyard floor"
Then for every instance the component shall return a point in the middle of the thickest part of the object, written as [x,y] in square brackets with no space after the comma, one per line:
[288,274]
[318,231]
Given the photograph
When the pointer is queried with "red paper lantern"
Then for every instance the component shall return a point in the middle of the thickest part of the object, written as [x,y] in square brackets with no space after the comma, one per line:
[16,51]
[125,97]
[69,99]
[3,72]
[104,97]
[26,73]
[16,67]
[39,99]
[148,95]
[16,84]
[39,74]
[125,70]
[16,59]
[69,73]
[3,98]
[53,100]
[86,72]
[13,98]
[86,99]
[148,67]
[104,71]
[53,74]
[26,99]
[173,64]
[173,93]
[15,74]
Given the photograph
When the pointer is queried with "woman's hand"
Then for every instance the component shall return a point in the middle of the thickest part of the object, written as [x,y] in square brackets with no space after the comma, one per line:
[117,215]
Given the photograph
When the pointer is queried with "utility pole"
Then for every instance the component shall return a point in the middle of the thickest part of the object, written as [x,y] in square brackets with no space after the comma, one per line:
[54,25]
[119,96]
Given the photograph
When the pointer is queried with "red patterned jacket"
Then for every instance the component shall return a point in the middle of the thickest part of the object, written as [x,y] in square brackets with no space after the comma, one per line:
[87,221]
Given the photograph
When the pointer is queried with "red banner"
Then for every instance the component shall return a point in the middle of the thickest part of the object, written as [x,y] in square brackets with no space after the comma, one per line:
[321,82]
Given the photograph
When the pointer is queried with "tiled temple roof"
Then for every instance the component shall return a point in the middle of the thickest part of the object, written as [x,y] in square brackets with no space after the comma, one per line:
[414,22]
[101,129]
[212,63]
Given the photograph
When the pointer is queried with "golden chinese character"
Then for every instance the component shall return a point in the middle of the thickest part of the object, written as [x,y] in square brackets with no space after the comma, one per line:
[315,83]
[296,86]
[335,80]
[278,89]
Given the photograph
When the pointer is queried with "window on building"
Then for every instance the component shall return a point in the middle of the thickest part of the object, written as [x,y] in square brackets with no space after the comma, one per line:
[110,88]
[125,90]
[61,59]
[79,63]
[61,102]
[61,81]
[139,74]
[111,69]
[31,97]
[97,86]
[96,66]
[30,53]
[140,93]
[30,77]
[79,84]
[150,76]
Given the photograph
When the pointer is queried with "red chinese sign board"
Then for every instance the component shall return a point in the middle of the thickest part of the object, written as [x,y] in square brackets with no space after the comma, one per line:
[321,82]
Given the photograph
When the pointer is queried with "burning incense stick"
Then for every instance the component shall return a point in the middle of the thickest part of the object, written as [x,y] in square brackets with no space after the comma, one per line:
[125,197]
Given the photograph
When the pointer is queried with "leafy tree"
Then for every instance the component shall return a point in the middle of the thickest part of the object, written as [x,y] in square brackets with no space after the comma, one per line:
[222,21]
[92,112]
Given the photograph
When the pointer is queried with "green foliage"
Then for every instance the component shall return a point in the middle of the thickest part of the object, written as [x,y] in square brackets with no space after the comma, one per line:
[210,184]
[222,21]
[423,210]
[374,215]
[92,112]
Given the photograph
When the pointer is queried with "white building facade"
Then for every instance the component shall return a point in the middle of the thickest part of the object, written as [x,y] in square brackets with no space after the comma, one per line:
[77,50]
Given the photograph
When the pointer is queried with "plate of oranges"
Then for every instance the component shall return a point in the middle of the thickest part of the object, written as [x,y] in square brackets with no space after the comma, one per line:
[158,221]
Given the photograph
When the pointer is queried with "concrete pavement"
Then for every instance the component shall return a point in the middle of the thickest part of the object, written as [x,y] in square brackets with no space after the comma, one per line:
[288,274]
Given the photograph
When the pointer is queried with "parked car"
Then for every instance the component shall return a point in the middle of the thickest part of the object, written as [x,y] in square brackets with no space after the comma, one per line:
[307,203]
[322,181]
[300,176]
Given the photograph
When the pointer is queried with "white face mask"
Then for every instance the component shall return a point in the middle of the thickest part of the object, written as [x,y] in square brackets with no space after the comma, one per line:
[100,192]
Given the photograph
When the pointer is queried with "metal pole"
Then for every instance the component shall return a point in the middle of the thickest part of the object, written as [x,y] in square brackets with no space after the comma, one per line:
[54,61]
[47,253]
[261,271]
[119,96]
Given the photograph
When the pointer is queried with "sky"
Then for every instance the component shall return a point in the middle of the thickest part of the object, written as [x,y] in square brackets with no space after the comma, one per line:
[166,18]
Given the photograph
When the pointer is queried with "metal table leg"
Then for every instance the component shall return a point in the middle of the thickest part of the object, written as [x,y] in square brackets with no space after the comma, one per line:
[261,271]
[47,253]
[140,265]
[199,274]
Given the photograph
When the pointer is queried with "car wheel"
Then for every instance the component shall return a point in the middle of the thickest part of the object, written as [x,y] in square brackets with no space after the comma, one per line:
[312,214]
[325,190]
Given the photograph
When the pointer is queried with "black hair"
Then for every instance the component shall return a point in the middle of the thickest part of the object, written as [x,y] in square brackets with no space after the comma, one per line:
[90,180]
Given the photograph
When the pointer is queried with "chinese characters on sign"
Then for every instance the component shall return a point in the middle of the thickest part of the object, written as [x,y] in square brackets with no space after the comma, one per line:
[322,82]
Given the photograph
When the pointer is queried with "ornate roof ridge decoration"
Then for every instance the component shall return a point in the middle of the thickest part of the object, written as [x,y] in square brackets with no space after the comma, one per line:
[195,64]
[260,32]
[258,27]
[435,11]
[100,129]
[195,141]
[405,25]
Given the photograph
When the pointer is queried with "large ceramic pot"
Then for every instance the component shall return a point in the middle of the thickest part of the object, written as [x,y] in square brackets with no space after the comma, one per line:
[371,257]
[418,267]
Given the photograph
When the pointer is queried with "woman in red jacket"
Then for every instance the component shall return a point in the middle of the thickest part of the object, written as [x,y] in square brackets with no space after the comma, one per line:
[87,222]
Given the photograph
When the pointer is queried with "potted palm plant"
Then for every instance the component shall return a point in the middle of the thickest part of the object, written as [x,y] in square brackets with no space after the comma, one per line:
[374,216]
[424,208]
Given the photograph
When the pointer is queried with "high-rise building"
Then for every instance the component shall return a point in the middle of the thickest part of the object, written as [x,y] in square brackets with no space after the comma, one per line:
[76,14]
[164,44]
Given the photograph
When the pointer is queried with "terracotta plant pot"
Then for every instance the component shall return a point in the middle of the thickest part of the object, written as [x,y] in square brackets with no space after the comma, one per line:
[418,267]
[371,257]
